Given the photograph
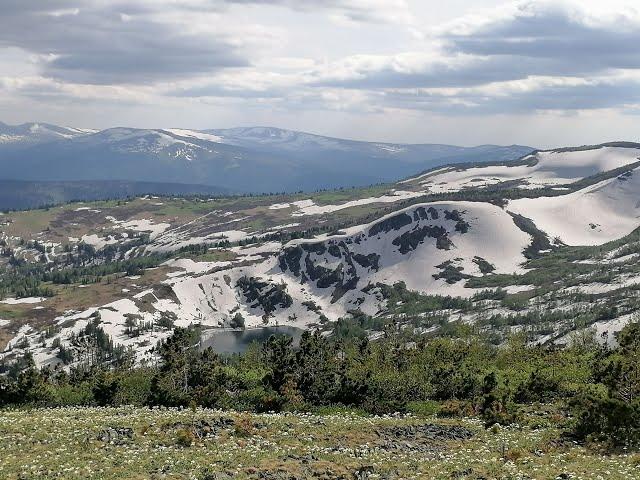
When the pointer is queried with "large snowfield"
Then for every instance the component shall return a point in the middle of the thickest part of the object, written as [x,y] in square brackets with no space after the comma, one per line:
[592,216]
[541,169]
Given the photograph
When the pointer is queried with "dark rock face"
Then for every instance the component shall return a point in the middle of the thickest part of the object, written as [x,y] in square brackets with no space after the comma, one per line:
[450,273]
[420,213]
[343,278]
[368,261]
[392,223]
[409,241]
[324,277]
[461,225]
[290,259]
[317,248]
[484,266]
[267,295]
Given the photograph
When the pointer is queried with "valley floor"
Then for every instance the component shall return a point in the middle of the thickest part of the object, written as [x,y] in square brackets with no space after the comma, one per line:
[133,443]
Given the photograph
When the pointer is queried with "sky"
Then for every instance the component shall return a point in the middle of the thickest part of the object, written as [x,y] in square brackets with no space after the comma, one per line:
[465,72]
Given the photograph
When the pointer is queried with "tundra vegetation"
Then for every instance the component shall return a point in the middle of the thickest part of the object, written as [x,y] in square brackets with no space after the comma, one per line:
[340,406]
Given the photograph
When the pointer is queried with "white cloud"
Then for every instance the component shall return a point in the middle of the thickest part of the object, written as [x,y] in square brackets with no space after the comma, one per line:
[357,11]
[250,60]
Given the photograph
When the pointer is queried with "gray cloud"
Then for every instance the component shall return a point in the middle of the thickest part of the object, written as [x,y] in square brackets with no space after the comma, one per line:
[536,40]
[222,91]
[87,43]
[596,95]
[12,7]
[436,74]
[377,11]
[163,51]
[557,35]
[472,71]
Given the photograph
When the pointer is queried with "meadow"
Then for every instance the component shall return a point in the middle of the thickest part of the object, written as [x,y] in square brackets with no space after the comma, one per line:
[203,444]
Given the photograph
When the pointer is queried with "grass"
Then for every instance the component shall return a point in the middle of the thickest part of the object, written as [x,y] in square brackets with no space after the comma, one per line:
[15,315]
[75,297]
[24,224]
[213,256]
[64,443]
[347,194]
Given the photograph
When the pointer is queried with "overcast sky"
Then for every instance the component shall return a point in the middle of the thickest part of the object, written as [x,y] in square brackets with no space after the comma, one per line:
[542,73]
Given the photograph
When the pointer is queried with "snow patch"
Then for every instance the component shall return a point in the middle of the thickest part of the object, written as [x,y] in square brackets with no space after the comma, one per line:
[21,301]
[594,215]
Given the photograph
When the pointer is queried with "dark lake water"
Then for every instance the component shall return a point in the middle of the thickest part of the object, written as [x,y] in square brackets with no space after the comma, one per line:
[237,341]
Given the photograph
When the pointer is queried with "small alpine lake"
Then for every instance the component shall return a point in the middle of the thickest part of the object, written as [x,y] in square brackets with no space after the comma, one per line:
[237,341]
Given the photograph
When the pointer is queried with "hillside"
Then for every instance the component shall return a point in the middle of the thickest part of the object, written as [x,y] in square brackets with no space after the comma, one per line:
[20,136]
[24,194]
[244,160]
[545,245]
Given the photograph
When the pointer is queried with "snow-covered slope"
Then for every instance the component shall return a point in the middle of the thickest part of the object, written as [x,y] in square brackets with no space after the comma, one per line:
[592,216]
[176,143]
[277,137]
[34,133]
[541,169]
[414,245]
[433,248]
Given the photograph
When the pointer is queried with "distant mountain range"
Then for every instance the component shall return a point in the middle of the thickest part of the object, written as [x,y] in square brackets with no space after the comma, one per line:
[239,160]
[19,136]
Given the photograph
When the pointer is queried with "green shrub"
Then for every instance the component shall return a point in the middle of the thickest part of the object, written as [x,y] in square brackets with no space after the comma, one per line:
[73,394]
[606,419]
[185,437]
[134,388]
[425,408]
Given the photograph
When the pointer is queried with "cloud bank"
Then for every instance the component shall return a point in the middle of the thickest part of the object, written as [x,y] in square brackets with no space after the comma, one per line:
[283,57]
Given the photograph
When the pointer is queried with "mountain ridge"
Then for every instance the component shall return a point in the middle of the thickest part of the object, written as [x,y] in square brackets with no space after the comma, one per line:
[241,163]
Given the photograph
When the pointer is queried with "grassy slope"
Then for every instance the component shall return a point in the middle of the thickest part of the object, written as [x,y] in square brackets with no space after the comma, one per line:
[63,443]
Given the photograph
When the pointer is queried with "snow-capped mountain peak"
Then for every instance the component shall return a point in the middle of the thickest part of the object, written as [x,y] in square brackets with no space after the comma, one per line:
[33,133]
[252,159]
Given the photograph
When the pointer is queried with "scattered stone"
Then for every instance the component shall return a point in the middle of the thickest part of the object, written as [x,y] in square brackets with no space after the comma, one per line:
[461,473]
[204,428]
[302,459]
[421,438]
[363,473]
[116,435]
[216,476]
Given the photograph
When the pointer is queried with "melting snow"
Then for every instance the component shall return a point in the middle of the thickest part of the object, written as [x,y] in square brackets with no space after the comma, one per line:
[19,301]
[592,216]
[195,134]
[309,207]
[550,168]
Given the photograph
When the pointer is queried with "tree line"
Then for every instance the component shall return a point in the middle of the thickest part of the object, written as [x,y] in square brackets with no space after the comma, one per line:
[596,387]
